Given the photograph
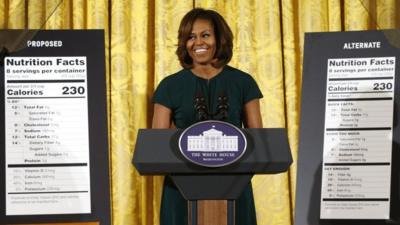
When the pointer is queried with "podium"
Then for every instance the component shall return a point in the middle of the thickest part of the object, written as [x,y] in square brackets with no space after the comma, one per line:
[157,153]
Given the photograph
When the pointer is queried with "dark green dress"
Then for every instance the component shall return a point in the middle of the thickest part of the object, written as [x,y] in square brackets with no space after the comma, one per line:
[178,92]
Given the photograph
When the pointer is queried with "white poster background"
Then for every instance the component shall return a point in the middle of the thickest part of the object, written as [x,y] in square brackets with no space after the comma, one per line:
[47,142]
[356,169]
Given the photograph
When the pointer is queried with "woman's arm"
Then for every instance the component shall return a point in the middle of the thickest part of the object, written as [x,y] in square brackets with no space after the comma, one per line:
[161,117]
[252,114]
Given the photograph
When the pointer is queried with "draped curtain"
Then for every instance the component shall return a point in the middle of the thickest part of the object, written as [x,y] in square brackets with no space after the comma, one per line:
[140,40]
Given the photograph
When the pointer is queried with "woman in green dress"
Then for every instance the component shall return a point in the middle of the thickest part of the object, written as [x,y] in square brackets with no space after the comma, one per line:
[206,88]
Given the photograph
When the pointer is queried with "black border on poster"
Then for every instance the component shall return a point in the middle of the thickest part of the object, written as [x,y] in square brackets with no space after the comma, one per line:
[318,48]
[89,43]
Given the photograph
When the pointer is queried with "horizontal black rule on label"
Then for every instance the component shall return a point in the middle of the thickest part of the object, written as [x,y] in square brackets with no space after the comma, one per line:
[359,99]
[45,97]
[49,192]
[361,78]
[358,164]
[47,165]
[355,199]
[46,81]
[359,92]
[359,128]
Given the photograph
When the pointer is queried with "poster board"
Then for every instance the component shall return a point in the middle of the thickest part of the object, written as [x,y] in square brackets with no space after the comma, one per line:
[54,116]
[347,167]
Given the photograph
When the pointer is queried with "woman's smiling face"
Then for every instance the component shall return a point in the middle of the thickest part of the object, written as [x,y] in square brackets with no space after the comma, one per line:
[201,44]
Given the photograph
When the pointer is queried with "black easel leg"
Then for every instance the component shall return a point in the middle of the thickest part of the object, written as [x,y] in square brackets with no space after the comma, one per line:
[231,212]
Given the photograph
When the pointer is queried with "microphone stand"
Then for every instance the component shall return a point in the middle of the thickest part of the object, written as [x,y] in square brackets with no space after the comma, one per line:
[203,114]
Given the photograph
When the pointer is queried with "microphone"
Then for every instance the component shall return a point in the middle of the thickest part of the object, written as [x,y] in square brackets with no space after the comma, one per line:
[221,113]
[201,108]
[222,107]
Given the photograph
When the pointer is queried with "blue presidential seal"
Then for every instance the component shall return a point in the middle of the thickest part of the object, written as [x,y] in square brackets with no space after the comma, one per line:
[212,143]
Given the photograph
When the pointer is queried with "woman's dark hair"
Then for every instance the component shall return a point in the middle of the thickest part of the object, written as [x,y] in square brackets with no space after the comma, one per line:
[223,37]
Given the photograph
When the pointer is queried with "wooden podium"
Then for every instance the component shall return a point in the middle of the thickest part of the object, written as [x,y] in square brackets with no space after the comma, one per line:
[157,153]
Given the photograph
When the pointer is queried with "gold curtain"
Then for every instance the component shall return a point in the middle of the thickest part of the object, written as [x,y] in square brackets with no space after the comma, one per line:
[140,40]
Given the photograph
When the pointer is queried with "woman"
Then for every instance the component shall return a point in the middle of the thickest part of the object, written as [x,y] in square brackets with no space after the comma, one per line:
[207,88]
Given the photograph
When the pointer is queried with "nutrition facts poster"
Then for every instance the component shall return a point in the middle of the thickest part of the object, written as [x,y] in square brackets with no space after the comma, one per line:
[47,143]
[357,151]
[54,165]
[349,146]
